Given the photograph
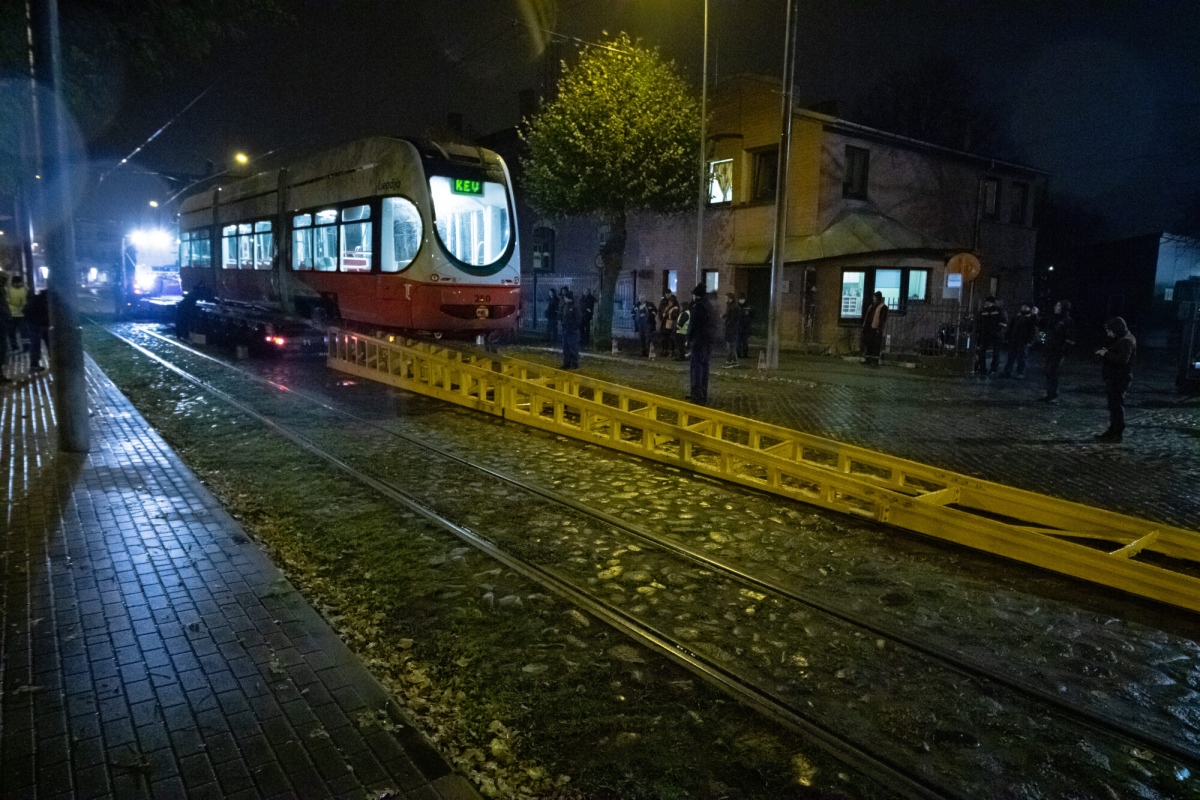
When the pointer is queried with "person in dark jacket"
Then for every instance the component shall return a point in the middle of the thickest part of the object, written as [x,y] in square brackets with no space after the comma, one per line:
[37,324]
[587,310]
[683,323]
[730,319]
[874,318]
[1117,371]
[645,314]
[1020,334]
[569,313]
[1060,335]
[703,330]
[745,317]
[992,322]
[552,308]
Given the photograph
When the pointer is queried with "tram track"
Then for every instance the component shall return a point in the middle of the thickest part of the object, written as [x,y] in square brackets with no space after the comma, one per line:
[883,769]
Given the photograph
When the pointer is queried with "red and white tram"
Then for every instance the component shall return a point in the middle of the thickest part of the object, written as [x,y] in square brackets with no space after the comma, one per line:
[383,232]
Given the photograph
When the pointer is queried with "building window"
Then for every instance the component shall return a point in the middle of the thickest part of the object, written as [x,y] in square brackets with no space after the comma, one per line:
[918,285]
[720,181]
[854,284]
[899,287]
[858,162]
[543,249]
[670,281]
[1020,204]
[712,280]
[990,197]
[766,171]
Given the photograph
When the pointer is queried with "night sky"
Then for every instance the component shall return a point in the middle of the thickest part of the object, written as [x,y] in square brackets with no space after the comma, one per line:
[1105,95]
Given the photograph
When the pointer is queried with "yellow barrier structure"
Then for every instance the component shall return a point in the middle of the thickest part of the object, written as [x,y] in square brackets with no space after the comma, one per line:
[1132,555]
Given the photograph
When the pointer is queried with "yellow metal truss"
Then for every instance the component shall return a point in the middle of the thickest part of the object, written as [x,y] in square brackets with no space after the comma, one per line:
[1135,556]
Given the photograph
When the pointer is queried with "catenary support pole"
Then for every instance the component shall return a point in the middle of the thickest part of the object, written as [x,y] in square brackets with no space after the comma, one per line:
[703,190]
[785,142]
[58,232]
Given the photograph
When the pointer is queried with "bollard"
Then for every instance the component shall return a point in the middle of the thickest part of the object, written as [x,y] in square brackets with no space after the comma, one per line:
[615,351]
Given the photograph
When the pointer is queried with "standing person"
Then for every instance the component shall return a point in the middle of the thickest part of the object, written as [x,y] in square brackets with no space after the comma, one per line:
[1020,334]
[644,315]
[1117,371]
[745,317]
[17,296]
[874,318]
[992,322]
[730,318]
[569,310]
[669,321]
[5,324]
[702,332]
[37,324]
[1060,335]
[683,323]
[552,304]
[587,310]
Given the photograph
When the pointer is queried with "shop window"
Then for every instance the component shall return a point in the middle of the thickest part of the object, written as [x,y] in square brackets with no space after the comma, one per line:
[720,181]
[918,285]
[766,172]
[854,285]
[854,182]
[887,282]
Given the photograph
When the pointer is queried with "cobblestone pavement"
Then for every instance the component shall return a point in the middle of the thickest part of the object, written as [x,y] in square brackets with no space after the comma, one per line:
[150,649]
[991,428]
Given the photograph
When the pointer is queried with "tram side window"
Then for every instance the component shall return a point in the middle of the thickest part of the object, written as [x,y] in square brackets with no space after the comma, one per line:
[201,248]
[185,249]
[245,246]
[325,240]
[302,242]
[356,239]
[264,245]
[229,247]
[402,230]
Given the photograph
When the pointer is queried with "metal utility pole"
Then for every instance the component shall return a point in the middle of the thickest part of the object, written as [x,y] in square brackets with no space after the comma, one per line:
[58,232]
[703,192]
[785,142]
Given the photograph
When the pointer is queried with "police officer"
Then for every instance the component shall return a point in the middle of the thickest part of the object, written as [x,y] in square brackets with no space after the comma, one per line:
[992,322]
[569,314]
[703,330]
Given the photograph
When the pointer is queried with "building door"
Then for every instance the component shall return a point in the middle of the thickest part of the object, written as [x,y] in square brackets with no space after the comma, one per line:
[758,297]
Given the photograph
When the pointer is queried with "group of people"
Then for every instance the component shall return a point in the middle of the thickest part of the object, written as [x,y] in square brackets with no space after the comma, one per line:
[23,317]
[556,312]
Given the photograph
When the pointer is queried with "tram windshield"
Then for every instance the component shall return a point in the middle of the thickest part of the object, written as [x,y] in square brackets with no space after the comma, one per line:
[472,219]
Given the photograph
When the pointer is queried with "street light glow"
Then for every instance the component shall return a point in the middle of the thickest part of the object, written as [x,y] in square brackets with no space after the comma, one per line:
[154,204]
[241,158]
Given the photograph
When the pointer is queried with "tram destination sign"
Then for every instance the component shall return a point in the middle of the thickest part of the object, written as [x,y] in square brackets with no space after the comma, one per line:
[467,186]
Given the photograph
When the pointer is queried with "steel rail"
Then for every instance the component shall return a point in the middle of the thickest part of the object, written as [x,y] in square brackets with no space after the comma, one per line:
[965,666]
[874,766]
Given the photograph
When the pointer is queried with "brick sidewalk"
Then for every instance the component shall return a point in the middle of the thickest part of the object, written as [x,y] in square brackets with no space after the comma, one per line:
[150,649]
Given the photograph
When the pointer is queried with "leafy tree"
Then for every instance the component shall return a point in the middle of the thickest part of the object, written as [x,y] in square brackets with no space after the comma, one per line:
[622,135]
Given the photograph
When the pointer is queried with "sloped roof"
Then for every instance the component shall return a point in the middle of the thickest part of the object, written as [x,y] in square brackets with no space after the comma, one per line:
[853,233]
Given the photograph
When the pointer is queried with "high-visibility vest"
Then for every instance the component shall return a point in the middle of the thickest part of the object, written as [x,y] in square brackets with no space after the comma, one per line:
[685,322]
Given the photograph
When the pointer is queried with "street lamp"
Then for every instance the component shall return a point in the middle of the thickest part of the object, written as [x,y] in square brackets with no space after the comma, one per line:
[241,158]
[154,204]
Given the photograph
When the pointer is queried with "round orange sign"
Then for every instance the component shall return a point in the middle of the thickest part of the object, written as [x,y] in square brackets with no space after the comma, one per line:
[965,264]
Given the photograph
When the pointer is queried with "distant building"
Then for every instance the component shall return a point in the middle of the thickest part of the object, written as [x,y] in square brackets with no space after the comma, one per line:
[1134,278]
[867,211]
